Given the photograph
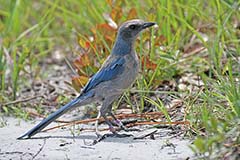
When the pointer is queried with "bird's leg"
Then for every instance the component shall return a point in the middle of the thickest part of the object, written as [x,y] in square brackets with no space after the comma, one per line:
[118,122]
[106,109]
[121,125]
[96,125]
[111,128]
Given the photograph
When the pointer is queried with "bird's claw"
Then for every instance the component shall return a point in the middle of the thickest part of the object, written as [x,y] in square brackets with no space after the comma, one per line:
[104,136]
[123,127]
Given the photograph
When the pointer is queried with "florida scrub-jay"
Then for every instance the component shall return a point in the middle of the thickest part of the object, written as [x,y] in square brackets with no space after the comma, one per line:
[117,73]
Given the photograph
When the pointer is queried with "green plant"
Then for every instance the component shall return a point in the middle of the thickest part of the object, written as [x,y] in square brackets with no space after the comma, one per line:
[197,37]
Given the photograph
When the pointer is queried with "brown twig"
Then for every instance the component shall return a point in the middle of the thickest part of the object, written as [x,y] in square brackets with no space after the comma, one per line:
[196,131]
[148,115]
[33,114]
[128,125]
[120,116]
[165,123]
[21,100]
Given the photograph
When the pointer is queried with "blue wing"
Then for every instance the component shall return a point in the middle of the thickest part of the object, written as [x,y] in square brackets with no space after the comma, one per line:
[108,72]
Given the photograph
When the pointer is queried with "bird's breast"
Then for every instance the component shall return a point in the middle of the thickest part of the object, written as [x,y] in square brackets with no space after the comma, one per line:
[123,81]
[130,72]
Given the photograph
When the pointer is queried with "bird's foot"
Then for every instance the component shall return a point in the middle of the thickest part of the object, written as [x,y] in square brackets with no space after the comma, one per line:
[114,134]
[121,125]
[98,134]
[123,135]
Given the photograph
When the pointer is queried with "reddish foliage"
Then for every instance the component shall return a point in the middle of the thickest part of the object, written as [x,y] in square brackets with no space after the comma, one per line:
[147,63]
[160,40]
[116,13]
[84,44]
[87,44]
[104,29]
[108,34]
[94,51]
[132,14]
[82,61]
[79,82]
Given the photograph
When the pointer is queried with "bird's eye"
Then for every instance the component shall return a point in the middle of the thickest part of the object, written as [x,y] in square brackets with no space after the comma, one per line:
[132,26]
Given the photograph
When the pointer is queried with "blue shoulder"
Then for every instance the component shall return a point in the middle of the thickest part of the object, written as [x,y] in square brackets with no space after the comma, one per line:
[108,72]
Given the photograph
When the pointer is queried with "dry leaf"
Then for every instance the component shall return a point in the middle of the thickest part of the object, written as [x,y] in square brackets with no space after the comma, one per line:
[82,61]
[109,2]
[107,31]
[160,40]
[132,14]
[79,82]
[148,64]
[116,13]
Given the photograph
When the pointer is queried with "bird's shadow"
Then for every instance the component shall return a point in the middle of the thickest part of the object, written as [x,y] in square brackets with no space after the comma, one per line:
[123,137]
[93,139]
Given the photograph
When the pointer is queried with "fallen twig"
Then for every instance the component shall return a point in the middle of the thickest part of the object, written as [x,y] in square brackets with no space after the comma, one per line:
[120,116]
[41,116]
[146,135]
[41,148]
[128,125]
[21,100]
[157,123]
[197,131]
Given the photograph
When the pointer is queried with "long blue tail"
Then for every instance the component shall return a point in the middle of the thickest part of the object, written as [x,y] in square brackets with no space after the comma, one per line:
[45,122]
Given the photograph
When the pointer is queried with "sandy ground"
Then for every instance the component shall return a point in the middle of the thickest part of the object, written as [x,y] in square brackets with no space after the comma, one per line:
[63,145]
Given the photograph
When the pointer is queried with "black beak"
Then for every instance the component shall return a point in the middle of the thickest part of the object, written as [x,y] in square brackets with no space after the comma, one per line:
[148,24]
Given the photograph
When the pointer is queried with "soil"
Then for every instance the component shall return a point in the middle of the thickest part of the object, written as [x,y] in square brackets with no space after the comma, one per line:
[69,143]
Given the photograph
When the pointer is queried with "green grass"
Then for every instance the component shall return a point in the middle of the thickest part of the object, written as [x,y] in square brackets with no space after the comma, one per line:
[32,30]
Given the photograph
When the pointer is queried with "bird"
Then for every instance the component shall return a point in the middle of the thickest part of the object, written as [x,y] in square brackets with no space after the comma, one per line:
[116,75]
